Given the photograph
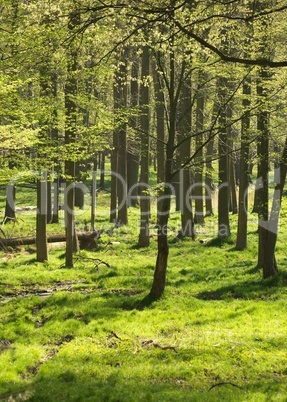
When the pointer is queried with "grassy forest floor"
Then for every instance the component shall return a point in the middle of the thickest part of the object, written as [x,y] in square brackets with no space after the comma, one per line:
[81,334]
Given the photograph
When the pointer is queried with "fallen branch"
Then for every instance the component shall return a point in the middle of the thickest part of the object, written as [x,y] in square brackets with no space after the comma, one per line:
[97,260]
[224,383]
[85,238]
[156,345]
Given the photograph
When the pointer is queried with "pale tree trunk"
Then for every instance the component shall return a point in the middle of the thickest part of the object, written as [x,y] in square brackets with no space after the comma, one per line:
[41,221]
[10,203]
[269,261]
[102,170]
[144,239]
[114,181]
[241,239]
[93,195]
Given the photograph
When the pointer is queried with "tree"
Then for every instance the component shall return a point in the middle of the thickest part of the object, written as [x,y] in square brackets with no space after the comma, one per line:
[144,195]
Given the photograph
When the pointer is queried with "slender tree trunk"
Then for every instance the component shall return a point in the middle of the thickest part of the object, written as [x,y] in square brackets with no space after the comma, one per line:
[102,171]
[41,221]
[184,138]
[241,239]
[120,103]
[160,129]
[93,195]
[223,190]
[263,181]
[70,138]
[198,176]
[159,280]
[144,239]
[114,181]
[209,186]
[133,157]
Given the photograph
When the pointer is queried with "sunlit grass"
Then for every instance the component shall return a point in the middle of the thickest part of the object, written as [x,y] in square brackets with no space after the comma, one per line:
[77,334]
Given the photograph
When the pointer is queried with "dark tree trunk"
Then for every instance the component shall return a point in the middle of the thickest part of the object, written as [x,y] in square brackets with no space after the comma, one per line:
[159,280]
[241,240]
[70,138]
[160,128]
[223,190]
[198,175]
[120,132]
[133,158]
[133,178]
[209,186]
[262,183]
[41,221]
[184,141]
[144,239]
[55,206]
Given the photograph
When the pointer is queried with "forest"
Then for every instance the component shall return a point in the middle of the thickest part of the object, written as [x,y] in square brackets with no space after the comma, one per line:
[143,163]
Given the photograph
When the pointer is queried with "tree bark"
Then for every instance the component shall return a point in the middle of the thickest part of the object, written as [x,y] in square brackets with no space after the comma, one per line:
[198,175]
[160,129]
[223,190]
[241,238]
[70,138]
[41,221]
[10,203]
[184,139]
[144,239]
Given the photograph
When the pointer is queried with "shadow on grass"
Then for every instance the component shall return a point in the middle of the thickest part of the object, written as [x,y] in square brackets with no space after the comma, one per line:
[264,289]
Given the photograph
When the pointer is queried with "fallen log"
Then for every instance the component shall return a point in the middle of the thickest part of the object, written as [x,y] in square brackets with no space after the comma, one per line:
[86,239]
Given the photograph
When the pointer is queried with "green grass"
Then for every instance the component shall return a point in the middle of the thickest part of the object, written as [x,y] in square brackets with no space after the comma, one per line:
[218,334]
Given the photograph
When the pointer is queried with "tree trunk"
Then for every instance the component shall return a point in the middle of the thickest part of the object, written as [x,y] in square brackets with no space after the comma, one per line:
[41,221]
[70,138]
[102,171]
[93,196]
[198,176]
[262,191]
[159,280]
[184,141]
[133,157]
[10,203]
[241,239]
[160,129]
[144,239]
[120,132]
[223,190]
[209,186]
[114,181]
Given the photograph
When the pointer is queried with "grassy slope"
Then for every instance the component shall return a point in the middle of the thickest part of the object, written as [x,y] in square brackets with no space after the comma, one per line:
[218,324]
